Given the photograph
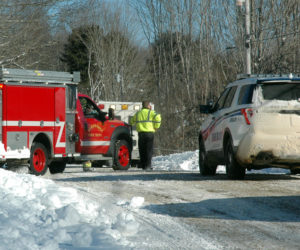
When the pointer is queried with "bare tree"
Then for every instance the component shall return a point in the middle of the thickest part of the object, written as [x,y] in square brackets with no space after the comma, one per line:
[274,35]
[25,39]
[114,65]
[193,48]
[183,36]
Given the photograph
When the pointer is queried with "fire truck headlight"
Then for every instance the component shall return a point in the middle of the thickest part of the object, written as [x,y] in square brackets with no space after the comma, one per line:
[136,107]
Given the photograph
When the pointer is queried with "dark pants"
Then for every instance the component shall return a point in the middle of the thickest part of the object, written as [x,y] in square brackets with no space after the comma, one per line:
[146,140]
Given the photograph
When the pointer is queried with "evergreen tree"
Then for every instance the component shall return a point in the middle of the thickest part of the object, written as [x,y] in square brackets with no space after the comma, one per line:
[75,54]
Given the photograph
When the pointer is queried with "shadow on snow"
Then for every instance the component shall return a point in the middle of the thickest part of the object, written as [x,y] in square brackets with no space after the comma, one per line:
[268,209]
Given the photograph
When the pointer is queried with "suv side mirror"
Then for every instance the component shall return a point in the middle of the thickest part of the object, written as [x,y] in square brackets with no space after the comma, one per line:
[207,109]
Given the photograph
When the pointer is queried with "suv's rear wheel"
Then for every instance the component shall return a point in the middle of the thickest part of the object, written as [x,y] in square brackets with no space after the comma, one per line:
[204,167]
[233,169]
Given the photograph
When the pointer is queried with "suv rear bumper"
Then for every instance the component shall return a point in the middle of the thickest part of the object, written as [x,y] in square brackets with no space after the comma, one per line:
[258,149]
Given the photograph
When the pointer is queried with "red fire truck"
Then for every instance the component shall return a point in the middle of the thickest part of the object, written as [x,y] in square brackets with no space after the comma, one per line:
[46,123]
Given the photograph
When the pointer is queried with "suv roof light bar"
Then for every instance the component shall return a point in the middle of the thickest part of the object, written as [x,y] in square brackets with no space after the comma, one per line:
[244,76]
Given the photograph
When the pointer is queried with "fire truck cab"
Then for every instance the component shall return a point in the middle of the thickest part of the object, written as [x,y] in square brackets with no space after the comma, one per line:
[46,123]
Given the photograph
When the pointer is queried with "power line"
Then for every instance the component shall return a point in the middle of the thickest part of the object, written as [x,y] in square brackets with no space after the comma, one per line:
[278,23]
[276,36]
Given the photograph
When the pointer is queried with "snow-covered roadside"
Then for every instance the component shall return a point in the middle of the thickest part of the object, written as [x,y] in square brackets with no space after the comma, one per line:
[37,213]
[188,161]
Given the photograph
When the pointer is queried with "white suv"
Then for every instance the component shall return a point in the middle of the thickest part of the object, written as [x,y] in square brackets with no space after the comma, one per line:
[254,124]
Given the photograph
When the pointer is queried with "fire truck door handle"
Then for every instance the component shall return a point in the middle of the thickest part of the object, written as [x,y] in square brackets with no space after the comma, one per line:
[57,119]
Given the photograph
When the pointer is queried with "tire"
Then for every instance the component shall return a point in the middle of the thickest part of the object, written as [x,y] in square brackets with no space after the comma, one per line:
[233,170]
[97,164]
[122,155]
[57,167]
[100,164]
[204,167]
[295,171]
[38,159]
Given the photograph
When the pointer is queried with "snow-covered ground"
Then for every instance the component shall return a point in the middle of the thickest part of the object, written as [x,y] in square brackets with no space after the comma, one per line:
[38,213]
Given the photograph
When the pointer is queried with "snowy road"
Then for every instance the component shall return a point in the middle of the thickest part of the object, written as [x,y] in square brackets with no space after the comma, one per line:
[183,210]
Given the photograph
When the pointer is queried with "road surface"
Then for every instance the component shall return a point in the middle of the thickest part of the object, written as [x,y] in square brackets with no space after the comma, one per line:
[189,211]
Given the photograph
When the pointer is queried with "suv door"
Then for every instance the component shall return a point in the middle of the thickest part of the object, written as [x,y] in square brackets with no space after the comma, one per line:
[220,115]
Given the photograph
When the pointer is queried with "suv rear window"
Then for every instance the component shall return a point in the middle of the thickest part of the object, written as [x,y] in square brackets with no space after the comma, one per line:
[281,91]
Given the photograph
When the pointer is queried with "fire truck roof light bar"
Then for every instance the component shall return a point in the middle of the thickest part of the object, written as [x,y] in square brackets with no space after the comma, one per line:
[37,76]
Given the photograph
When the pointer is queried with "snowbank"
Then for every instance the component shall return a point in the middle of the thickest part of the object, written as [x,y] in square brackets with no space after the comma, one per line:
[187,161]
[36,213]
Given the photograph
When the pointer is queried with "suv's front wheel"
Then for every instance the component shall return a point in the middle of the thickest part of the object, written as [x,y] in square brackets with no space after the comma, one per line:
[295,171]
[233,169]
[204,167]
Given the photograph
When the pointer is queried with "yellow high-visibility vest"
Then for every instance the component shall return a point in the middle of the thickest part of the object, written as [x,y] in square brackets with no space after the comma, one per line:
[146,120]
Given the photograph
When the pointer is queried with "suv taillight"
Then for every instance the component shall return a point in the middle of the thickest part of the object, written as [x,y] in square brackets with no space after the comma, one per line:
[247,113]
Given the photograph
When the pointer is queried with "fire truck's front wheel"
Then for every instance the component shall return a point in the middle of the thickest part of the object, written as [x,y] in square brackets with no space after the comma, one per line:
[38,159]
[122,155]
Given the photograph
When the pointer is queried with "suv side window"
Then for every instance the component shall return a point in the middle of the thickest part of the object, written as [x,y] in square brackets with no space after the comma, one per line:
[229,97]
[220,103]
[246,93]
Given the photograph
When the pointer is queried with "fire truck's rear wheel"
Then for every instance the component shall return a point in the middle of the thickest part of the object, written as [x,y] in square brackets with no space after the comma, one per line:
[38,159]
[57,167]
[122,155]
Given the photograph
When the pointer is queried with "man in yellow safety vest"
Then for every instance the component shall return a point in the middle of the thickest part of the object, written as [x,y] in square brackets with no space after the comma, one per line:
[147,121]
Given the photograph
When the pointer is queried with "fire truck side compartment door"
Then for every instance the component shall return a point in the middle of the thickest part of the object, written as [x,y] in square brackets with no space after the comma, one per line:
[27,114]
[60,121]
[17,140]
[70,118]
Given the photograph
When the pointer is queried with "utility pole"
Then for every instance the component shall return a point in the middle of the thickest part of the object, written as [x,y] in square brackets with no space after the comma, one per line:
[248,36]
[248,39]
